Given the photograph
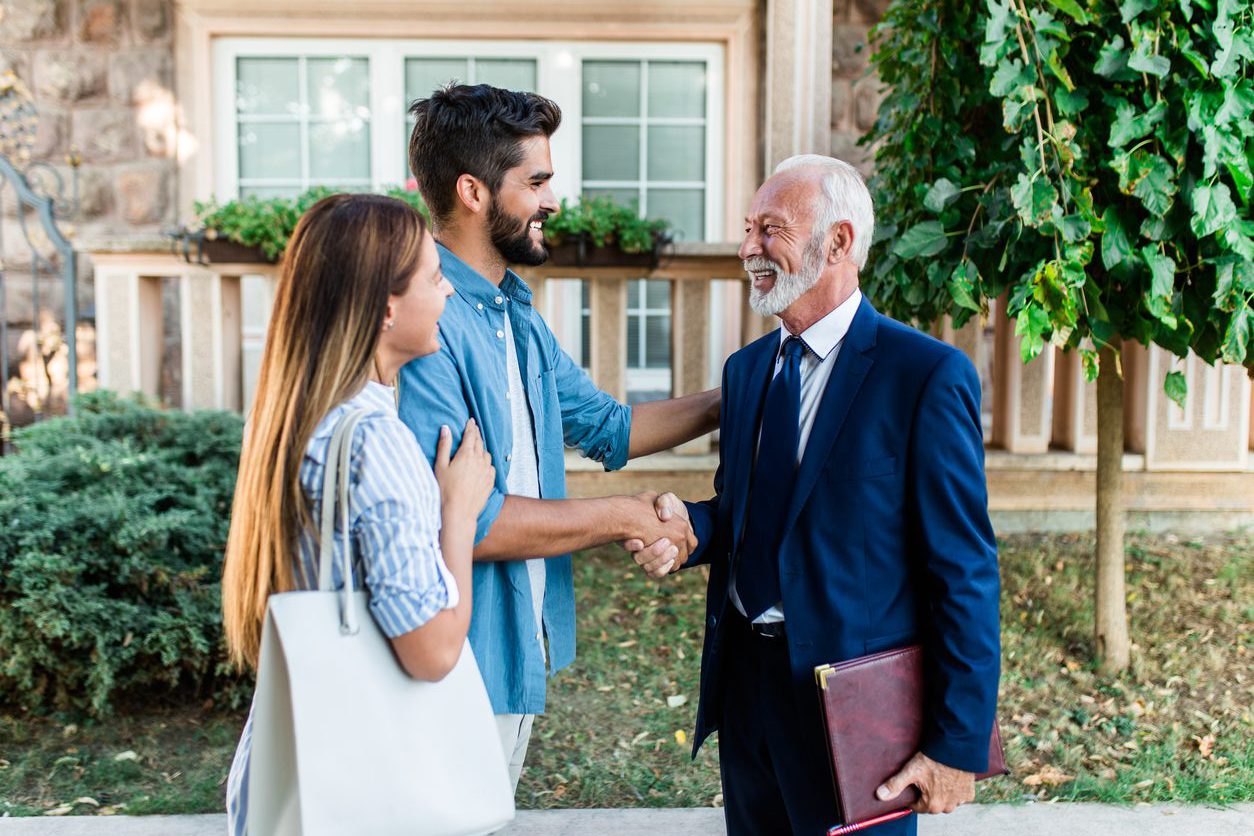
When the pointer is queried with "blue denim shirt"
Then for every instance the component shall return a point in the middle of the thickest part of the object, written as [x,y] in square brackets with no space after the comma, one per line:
[467,378]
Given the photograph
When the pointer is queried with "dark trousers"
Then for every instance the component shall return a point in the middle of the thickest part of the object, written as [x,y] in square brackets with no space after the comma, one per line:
[775,770]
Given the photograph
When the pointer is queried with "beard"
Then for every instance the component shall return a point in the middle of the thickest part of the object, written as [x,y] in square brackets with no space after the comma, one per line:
[512,238]
[788,287]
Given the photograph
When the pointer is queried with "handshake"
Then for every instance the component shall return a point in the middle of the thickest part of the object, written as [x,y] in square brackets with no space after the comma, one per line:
[662,534]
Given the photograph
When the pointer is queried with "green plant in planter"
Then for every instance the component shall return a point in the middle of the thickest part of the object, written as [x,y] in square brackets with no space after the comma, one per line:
[268,223]
[606,224]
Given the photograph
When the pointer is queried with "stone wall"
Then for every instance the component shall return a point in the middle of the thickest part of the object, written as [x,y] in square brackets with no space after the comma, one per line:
[101,76]
[856,95]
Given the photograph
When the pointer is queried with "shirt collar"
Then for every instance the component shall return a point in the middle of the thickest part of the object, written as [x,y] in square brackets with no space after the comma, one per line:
[826,334]
[378,396]
[474,287]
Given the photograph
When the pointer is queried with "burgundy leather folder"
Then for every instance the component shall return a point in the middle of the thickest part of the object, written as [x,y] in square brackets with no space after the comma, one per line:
[873,716]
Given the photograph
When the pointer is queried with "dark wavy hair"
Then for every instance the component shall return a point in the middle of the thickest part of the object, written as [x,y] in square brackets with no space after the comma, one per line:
[477,130]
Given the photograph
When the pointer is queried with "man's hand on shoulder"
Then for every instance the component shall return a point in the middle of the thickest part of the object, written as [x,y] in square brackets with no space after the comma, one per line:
[941,788]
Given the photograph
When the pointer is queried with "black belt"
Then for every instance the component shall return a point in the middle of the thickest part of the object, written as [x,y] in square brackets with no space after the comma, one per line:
[770,630]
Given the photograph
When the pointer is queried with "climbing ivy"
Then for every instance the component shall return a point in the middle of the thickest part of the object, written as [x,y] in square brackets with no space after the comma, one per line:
[1091,160]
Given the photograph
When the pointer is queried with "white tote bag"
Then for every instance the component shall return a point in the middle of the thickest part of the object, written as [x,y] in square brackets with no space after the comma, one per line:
[344,742]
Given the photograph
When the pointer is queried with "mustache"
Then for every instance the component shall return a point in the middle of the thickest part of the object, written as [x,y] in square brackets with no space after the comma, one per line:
[759,263]
[541,216]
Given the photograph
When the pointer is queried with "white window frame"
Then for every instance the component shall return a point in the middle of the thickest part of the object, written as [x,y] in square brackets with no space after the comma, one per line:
[559,75]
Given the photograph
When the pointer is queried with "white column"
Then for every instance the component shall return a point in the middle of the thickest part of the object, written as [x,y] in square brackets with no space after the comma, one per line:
[798,83]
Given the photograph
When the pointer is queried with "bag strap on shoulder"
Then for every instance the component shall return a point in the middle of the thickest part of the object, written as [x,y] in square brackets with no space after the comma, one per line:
[335,480]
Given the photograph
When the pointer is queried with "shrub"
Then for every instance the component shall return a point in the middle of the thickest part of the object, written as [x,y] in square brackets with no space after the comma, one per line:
[112,530]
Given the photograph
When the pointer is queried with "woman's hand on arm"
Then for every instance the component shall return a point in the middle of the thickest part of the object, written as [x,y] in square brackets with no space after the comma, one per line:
[465,481]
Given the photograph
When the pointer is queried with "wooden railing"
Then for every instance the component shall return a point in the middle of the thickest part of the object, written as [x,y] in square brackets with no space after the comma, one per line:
[1031,410]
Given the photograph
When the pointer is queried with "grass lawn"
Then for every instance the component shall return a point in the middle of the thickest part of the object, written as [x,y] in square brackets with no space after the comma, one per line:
[1177,727]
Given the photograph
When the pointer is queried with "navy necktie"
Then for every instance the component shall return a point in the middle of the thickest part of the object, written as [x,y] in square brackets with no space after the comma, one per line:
[757,578]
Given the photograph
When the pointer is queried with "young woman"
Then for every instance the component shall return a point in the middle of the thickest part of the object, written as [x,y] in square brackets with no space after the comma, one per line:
[359,293]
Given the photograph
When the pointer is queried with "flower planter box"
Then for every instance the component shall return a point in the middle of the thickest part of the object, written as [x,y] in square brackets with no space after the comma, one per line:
[195,248]
[580,252]
[220,251]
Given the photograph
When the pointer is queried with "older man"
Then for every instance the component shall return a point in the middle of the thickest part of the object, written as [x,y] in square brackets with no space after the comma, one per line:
[850,517]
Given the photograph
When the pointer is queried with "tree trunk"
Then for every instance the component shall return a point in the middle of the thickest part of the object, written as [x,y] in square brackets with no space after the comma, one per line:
[1110,609]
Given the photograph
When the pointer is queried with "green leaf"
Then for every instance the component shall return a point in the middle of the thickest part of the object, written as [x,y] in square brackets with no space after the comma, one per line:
[1090,361]
[1010,76]
[1156,185]
[1176,387]
[1072,8]
[1112,60]
[1213,209]
[1237,339]
[1034,198]
[1143,61]
[940,196]
[1074,228]
[1162,272]
[1129,9]
[924,239]
[962,285]
[1070,102]
[1031,324]
[998,21]
[1115,247]
[1238,103]
[1131,124]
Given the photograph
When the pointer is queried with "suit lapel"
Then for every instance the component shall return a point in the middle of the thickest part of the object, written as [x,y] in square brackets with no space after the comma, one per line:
[852,364]
[744,424]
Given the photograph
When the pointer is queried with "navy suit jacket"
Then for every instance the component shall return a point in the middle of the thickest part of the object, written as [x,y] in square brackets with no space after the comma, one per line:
[887,541]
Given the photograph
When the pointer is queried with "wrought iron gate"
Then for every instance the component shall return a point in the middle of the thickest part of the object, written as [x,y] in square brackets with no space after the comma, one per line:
[41,196]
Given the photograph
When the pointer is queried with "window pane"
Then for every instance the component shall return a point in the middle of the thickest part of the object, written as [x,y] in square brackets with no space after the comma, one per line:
[269,150]
[266,192]
[339,150]
[611,88]
[676,153]
[509,73]
[635,359]
[657,347]
[339,87]
[684,208]
[658,294]
[585,326]
[635,294]
[611,152]
[623,197]
[269,86]
[677,89]
[423,75]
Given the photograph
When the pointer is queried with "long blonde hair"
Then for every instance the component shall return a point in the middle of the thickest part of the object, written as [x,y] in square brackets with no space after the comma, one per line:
[346,256]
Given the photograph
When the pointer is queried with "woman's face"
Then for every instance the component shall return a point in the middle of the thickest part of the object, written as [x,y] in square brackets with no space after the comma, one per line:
[416,311]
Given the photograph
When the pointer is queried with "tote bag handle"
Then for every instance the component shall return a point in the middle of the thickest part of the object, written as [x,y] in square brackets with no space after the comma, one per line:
[335,493]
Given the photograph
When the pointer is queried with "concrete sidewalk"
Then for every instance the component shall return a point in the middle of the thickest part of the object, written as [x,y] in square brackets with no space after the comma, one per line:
[973,820]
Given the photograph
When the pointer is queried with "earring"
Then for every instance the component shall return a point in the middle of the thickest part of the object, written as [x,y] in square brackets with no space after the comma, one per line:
[389,325]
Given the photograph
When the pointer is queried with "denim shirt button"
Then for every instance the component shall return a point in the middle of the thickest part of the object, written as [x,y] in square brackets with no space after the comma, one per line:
[500,335]
[479,305]
[499,300]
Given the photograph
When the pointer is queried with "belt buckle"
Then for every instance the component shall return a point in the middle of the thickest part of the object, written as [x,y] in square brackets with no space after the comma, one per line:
[769,630]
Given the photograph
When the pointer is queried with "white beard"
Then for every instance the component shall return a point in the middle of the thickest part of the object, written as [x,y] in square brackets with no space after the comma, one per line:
[788,287]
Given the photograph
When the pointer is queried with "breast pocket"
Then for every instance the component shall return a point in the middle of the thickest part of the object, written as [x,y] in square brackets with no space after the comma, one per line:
[865,469]
[546,411]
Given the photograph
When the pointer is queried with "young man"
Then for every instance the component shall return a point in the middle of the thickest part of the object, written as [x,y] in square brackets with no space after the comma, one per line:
[481,158]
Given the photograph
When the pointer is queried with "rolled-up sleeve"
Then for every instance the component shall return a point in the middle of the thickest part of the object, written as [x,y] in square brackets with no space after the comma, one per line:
[591,420]
[396,529]
[432,397]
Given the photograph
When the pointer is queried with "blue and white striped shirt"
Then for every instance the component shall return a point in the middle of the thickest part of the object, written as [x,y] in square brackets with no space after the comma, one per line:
[394,518]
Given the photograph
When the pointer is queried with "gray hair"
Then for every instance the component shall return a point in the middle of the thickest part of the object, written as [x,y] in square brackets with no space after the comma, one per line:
[845,198]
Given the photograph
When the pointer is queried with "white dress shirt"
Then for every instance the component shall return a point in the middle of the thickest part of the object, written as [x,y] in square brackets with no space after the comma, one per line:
[822,341]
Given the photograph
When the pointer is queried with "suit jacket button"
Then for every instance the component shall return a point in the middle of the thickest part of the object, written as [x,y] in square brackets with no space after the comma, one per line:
[713,621]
